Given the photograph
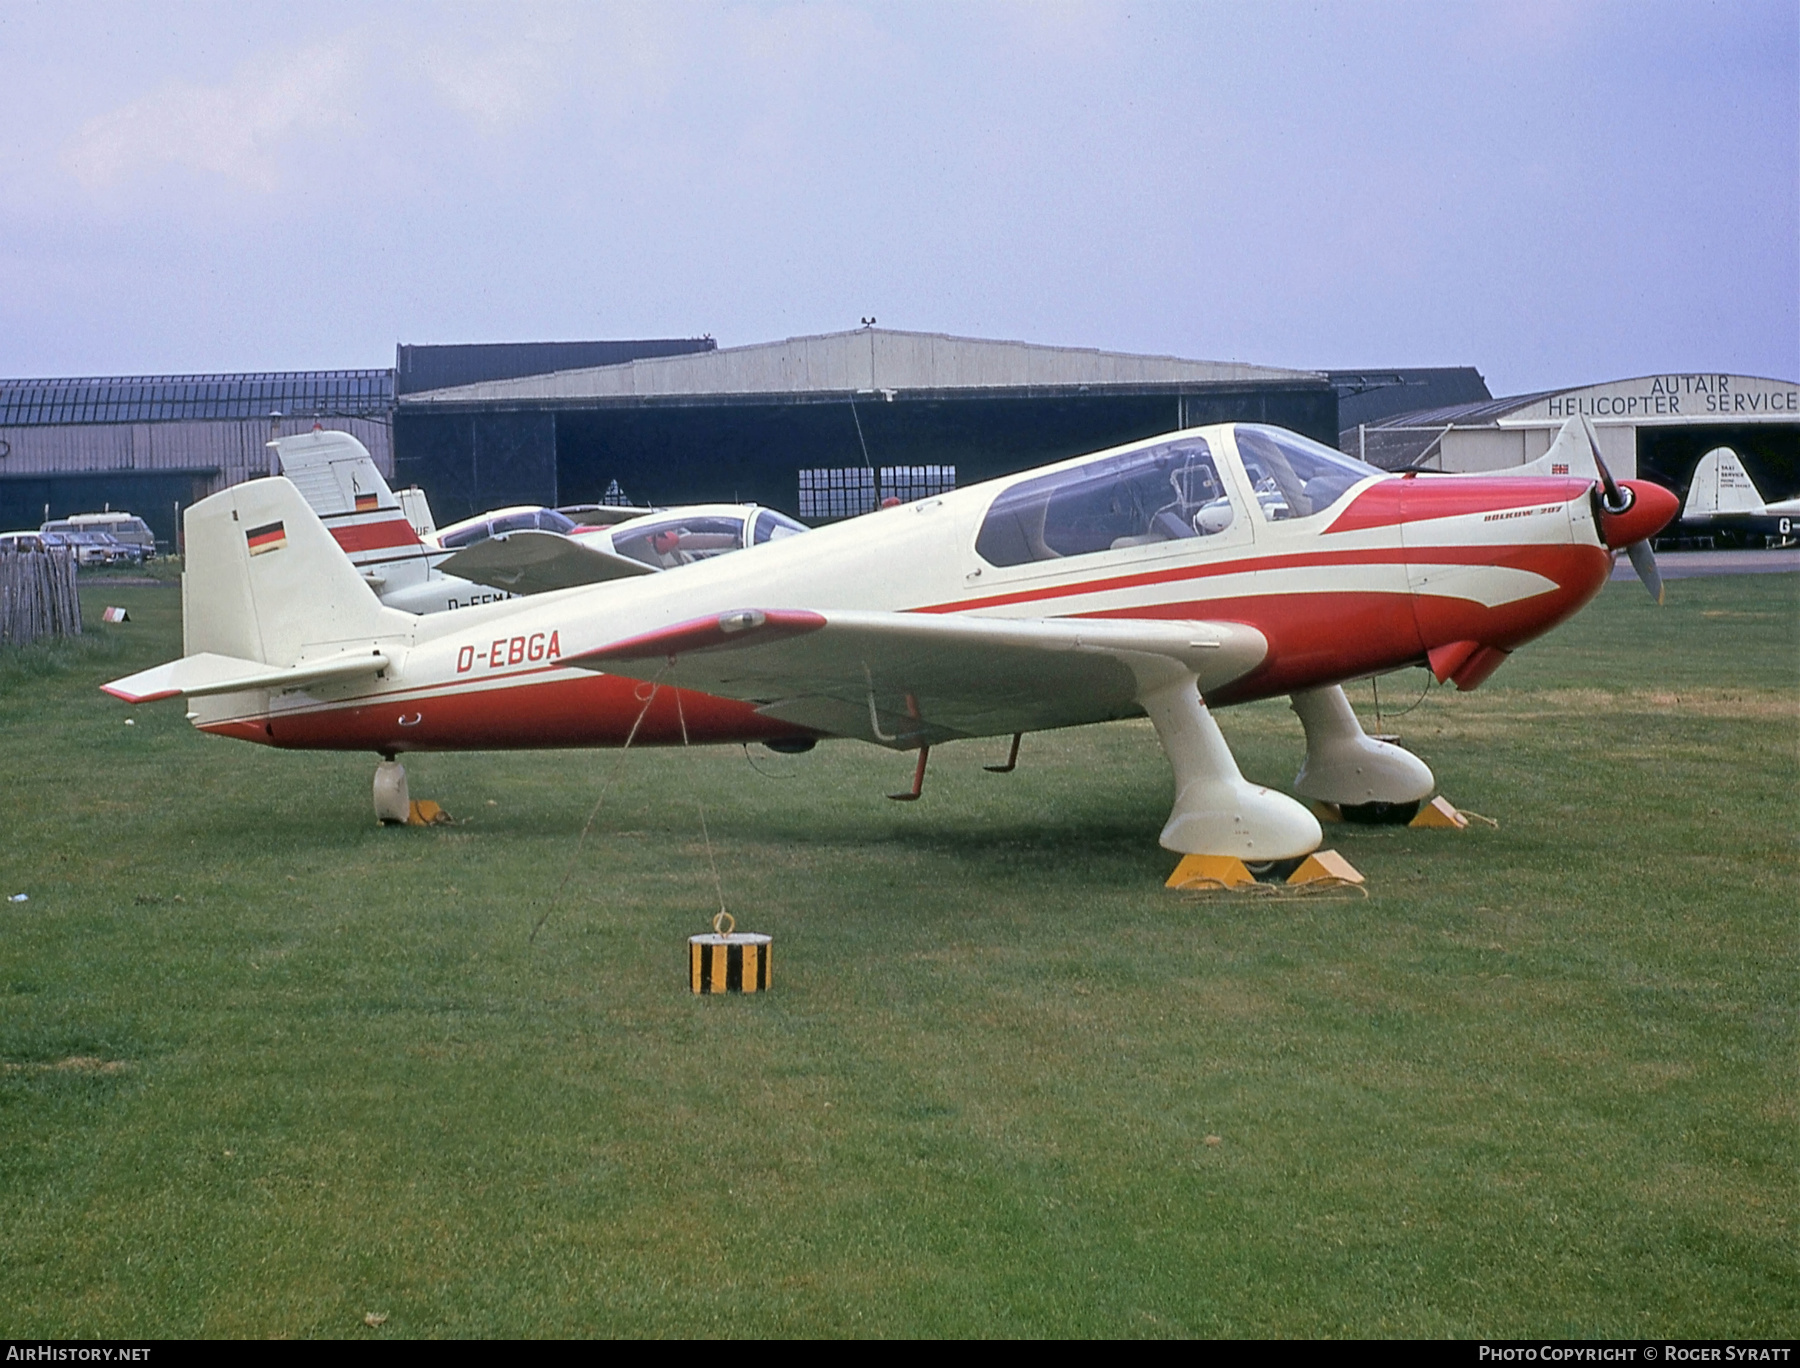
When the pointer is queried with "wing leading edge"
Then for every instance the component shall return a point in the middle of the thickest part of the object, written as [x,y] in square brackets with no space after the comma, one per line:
[907,679]
[535,562]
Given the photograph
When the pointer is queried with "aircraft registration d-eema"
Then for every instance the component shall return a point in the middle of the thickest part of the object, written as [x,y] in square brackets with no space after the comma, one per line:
[1164,578]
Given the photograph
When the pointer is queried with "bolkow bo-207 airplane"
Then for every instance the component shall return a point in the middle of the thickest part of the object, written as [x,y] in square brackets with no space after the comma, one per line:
[1164,578]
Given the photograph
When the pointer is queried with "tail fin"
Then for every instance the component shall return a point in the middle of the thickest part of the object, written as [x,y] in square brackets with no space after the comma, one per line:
[417,508]
[336,475]
[333,472]
[1569,454]
[1721,488]
[265,581]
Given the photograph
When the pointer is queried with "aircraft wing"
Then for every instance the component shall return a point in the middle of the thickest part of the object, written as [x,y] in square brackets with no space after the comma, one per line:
[911,679]
[206,673]
[535,562]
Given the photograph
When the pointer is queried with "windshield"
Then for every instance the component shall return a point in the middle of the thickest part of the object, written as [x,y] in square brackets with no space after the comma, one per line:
[1167,492]
[773,526]
[681,541]
[1294,476]
[521,520]
[466,536]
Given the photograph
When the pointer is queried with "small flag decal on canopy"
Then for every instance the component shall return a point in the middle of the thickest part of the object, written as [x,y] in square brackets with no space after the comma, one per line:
[268,537]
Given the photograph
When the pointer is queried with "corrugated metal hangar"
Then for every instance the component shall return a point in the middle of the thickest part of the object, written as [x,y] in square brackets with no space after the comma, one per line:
[821,426]
[154,444]
[1655,425]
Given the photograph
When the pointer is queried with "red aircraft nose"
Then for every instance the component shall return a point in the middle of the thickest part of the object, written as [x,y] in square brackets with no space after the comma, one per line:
[1649,511]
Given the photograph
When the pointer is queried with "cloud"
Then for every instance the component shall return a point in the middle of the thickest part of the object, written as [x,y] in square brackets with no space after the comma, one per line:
[234,130]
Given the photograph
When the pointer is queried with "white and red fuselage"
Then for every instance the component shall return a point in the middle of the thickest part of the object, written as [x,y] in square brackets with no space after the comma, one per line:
[1396,570]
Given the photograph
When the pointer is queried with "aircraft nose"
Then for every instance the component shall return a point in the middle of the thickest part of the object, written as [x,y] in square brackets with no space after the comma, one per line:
[1651,509]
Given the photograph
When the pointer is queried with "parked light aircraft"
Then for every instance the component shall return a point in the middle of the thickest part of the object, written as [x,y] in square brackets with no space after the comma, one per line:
[1162,578]
[1723,495]
[416,567]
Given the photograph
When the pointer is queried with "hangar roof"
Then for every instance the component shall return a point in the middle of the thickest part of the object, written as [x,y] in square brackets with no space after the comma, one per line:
[439,366]
[164,398]
[1685,396]
[1368,396]
[868,360]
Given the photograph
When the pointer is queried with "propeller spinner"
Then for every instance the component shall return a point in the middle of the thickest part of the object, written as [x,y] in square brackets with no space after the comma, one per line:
[1629,514]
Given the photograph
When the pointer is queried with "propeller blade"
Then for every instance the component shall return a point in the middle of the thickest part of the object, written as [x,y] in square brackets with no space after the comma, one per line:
[1643,560]
[1614,499]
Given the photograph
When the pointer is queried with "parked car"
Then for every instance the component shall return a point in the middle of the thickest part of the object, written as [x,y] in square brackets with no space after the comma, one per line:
[21,541]
[93,548]
[126,528]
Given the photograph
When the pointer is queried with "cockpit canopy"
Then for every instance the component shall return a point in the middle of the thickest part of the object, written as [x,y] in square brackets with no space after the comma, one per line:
[1170,490]
[682,537]
[1294,476]
[509,520]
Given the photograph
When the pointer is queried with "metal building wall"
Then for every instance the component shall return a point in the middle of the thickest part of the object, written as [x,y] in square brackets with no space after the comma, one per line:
[236,448]
[83,467]
[468,463]
[682,453]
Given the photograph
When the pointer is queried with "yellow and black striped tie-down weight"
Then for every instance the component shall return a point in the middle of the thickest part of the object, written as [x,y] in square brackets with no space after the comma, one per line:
[729,961]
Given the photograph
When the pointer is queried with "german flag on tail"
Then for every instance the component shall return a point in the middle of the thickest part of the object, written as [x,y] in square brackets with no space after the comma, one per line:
[268,537]
[367,503]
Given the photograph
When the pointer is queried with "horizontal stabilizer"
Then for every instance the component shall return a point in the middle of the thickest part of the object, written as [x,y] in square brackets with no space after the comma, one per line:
[197,676]
[909,679]
[535,562]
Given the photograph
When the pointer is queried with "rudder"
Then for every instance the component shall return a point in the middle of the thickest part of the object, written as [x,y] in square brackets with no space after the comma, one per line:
[333,472]
[265,581]
[1720,487]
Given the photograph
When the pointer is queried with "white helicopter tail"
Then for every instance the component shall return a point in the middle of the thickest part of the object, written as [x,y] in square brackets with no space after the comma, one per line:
[1721,488]
[264,580]
[379,532]
[333,472]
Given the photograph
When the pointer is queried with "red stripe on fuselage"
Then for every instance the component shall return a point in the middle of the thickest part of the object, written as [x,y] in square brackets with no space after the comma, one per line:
[1426,497]
[375,536]
[595,710]
[1381,555]
[1317,639]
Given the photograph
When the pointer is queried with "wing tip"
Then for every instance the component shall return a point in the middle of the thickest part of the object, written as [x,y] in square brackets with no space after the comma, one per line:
[128,696]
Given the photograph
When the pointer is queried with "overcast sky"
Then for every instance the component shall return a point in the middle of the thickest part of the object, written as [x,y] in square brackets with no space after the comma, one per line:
[1556,193]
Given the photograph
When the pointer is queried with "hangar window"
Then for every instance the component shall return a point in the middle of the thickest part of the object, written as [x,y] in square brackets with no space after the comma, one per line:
[1294,476]
[843,493]
[1160,493]
[903,484]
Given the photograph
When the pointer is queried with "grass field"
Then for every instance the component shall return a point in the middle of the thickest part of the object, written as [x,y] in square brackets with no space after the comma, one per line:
[265,1068]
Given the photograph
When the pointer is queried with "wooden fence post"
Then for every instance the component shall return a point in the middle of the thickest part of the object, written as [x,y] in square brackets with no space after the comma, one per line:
[38,597]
